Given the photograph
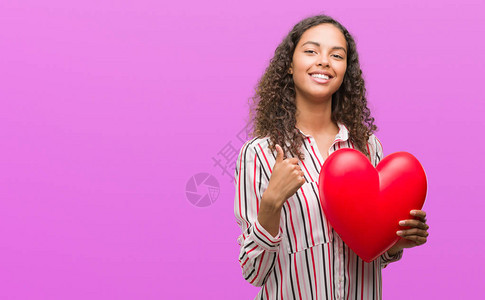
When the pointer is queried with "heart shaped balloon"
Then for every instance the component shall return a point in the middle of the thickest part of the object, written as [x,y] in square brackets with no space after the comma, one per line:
[365,204]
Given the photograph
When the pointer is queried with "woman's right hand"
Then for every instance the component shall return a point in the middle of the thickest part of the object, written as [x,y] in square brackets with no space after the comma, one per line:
[286,179]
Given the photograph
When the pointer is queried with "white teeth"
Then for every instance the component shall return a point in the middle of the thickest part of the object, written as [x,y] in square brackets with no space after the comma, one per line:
[320,76]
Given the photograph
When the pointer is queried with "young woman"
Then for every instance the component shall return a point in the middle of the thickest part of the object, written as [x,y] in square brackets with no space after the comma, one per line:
[309,103]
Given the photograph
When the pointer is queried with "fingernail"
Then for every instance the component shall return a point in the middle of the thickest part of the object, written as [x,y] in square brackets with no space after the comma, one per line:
[399,232]
[402,222]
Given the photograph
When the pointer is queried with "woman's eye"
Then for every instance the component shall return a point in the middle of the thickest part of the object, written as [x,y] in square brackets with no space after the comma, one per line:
[338,56]
[309,51]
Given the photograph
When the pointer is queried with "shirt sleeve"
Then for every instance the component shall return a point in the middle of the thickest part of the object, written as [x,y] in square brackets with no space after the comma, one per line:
[387,259]
[258,248]
[379,155]
[376,150]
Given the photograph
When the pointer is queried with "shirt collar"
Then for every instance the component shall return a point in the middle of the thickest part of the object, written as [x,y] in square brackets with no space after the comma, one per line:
[342,135]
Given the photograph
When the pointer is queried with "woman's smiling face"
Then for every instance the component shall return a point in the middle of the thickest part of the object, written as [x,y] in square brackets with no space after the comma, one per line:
[319,63]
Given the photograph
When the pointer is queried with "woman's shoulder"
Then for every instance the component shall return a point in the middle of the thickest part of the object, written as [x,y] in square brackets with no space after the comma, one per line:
[259,143]
[375,149]
[374,141]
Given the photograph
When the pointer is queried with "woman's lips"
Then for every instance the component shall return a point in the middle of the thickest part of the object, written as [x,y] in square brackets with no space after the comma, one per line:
[320,80]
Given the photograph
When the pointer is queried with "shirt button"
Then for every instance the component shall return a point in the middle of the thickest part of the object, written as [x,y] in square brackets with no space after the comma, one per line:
[340,250]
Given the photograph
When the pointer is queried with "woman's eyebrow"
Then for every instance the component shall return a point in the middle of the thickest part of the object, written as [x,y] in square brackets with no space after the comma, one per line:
[318,45]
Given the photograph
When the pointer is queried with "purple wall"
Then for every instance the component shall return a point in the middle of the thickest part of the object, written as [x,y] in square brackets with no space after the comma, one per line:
[108,110]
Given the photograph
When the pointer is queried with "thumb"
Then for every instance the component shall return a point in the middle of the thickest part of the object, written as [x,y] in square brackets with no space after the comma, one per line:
[279,154]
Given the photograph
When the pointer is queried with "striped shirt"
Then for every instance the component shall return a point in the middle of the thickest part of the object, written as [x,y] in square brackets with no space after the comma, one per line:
[307,259]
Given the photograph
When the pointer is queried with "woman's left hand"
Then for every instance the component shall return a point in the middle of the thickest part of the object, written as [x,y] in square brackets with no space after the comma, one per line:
[414,236]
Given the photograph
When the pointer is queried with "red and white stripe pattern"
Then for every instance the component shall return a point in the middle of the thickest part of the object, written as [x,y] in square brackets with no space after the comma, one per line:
[307,259]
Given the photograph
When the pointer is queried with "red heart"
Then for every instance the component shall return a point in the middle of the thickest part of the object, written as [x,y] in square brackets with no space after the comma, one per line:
[365,204]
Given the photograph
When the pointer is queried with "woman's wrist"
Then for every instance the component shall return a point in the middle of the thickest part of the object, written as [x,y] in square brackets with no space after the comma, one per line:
[270,202]
[269,214]
[394,250]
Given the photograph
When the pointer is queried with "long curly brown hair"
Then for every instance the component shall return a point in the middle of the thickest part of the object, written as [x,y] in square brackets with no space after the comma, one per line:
[273,109]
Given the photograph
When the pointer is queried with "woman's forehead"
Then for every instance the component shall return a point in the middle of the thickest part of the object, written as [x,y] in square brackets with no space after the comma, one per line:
[327,35]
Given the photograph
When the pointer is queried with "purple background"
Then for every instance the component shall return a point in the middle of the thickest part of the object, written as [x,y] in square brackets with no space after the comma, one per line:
[109,107]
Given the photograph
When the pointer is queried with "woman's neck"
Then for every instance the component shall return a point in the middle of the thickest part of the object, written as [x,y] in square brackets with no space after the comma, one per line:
[315,118]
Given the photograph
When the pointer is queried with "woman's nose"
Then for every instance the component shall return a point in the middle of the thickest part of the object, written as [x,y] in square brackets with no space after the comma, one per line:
[323,61]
